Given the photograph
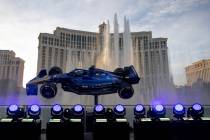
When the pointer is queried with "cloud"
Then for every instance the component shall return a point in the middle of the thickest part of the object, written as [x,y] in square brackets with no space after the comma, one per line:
[186,24]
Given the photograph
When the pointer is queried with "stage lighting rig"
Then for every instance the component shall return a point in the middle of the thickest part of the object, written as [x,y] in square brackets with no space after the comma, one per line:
[34,111]
[57,111]
[78,110]
[66,122]
[119,111]
[196,111]
[157,111]
[179,111]
[99,110]
[12,110]
[139,111]
[15,112]
[18,126]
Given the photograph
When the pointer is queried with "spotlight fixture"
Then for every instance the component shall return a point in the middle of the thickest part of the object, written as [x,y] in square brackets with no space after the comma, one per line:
[34,111]
[12,111]
[196,111]
[160,110]
[99,109]
[157,111]
[179,111]
[119,110]
[197,107]
[139,111]
[57,111]
[78,110]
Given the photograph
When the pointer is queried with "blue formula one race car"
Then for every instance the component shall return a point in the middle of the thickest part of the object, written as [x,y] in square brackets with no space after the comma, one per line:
[85,82]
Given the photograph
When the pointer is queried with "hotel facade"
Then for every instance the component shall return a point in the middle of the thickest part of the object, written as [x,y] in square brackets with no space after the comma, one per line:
[11,67]
[199,70]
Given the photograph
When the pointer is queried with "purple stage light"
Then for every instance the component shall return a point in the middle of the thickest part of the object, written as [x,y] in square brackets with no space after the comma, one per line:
[12,111]
[139,111]
[99,108]
[159,108]
[157,111]
[196,111]
[57,108]
[179,107]
[78,108]
[139,108]
[13,108]
[34,111]
[179,110]
[197,107]
[35,108]
[119,108]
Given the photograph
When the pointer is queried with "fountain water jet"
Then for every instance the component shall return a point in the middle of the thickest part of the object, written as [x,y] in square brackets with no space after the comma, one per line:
[104,59]
[127,45]
[115,53]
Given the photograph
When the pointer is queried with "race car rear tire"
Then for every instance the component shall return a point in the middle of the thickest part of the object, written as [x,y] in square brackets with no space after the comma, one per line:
[126,92]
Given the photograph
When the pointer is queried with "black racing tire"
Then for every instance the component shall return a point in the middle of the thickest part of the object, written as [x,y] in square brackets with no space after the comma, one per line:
[48,90]
[126,92]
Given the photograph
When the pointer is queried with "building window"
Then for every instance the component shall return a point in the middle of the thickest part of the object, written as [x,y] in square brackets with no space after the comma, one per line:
[163,44]
[50,42]
[44,40]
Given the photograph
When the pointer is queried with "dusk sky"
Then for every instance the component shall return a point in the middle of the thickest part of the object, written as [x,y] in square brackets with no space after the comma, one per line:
[186,24]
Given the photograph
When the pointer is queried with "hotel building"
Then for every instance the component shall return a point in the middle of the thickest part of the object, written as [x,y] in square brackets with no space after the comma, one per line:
[199,70]
[11,67]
